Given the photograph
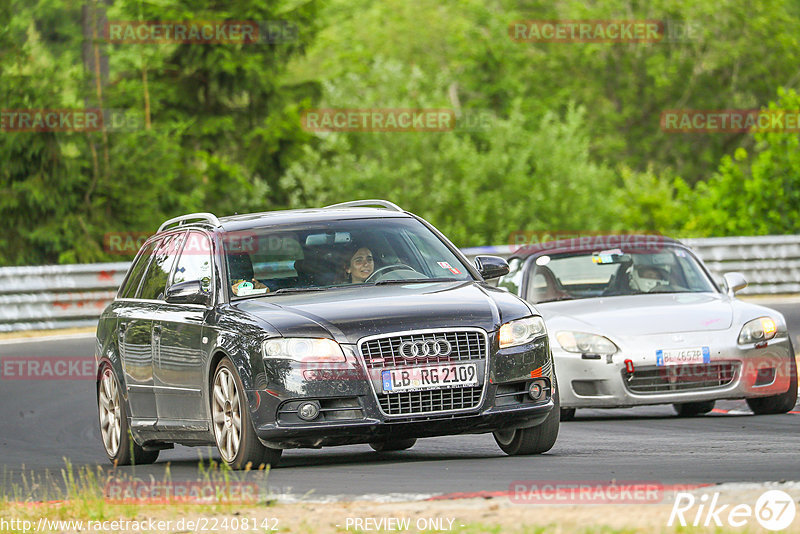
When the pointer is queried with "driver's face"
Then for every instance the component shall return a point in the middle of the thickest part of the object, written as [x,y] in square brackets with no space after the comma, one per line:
[361,265]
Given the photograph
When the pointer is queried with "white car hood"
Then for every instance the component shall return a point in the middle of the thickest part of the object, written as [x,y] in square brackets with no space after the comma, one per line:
[641,314]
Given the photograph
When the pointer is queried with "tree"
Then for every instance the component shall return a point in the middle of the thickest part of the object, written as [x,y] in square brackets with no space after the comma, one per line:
[755,192]
[215,124]
[477,184]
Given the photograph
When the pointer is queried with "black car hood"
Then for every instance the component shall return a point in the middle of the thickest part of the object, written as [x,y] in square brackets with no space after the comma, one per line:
[350,313]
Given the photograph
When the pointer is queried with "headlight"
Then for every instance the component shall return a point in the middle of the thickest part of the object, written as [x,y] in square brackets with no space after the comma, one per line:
[521,331]
[760,329]
[304,349]
[585,343]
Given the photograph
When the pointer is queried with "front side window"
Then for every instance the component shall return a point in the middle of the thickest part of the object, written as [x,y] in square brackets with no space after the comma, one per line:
[195,262]
[615,272]
[337,253]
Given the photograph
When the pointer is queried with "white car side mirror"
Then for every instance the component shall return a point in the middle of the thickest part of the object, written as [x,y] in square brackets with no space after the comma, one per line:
[735,282]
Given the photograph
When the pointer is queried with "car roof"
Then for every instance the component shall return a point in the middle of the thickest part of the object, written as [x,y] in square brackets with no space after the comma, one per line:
[595,243]
[246,221]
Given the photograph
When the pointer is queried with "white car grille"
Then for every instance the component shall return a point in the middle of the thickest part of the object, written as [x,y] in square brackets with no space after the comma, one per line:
[658,379]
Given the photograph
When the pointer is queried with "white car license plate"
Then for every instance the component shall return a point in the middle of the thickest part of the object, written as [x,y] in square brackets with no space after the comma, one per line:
[433,377]
[683,356]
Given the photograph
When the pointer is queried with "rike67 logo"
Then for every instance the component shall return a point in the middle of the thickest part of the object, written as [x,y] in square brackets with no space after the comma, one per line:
[773,510]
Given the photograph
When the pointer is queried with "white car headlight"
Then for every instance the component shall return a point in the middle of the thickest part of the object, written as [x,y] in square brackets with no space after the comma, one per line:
[521,331]
[304,349]
[760,329]
[585,343]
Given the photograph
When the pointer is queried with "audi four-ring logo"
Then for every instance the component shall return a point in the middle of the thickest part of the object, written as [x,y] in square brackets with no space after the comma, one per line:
[425,349]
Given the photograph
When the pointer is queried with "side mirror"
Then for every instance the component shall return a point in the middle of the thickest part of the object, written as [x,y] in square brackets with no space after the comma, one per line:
[735,282]
[491,266]
[190,292]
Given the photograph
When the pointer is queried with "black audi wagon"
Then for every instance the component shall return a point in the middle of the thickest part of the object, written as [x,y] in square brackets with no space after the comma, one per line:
[354,323]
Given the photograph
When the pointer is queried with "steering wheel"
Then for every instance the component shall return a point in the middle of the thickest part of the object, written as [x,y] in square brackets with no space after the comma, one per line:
[388,269]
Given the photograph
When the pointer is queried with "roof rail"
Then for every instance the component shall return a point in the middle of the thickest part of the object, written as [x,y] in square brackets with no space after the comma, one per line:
[366,203]
[184,219]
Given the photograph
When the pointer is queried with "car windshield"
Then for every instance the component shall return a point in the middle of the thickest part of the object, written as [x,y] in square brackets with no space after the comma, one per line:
[315,256]
[615,272]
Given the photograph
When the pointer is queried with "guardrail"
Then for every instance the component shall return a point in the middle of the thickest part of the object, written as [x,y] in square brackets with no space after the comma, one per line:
[57,296]
[64,296]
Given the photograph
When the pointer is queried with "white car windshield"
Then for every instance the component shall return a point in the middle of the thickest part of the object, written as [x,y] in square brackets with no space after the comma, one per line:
[615,272]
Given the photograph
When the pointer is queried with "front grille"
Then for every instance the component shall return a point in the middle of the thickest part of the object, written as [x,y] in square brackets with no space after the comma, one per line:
[435,400]
[655,379]
[384,353]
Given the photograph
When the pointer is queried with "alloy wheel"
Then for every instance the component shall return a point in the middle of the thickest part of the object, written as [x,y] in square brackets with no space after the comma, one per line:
[110,419]
[226,414]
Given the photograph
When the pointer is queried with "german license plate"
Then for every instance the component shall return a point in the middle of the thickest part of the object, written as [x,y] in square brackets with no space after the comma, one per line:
[688,356]
[430,377]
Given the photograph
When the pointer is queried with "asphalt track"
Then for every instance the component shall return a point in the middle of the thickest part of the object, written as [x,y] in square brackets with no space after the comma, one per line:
[47,422]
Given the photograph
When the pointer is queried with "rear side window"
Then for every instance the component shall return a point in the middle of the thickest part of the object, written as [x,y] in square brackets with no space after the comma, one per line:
[155,280]
[128,290]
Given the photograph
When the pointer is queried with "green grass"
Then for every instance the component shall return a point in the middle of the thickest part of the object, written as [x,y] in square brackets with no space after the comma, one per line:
[78,493]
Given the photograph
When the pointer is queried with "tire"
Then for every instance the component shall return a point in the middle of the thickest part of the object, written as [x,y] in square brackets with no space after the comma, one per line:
[115,432]
[534,440]
[567,414]
[779,403]
[234,433]
[691,409]
[392,445]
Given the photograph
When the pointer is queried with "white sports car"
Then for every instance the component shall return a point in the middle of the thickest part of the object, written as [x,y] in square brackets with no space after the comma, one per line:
[636,320]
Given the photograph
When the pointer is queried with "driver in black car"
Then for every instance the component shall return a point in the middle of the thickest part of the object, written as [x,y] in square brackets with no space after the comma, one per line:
[359,266]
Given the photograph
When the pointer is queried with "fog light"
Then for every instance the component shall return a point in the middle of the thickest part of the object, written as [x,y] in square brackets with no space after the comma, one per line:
[308,411]
[535,390]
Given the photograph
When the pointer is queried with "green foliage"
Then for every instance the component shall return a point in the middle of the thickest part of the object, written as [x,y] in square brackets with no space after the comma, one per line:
[477,184]
[216,124]
[648,202]
[735,55]
[753,193]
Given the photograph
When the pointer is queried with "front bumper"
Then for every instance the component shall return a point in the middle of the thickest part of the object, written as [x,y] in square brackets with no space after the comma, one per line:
[372,429]
[348,398]
[603,382]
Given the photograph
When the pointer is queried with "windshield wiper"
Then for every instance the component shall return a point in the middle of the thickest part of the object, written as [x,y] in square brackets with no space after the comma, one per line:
[416,281]
[557,299]
[295,290]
